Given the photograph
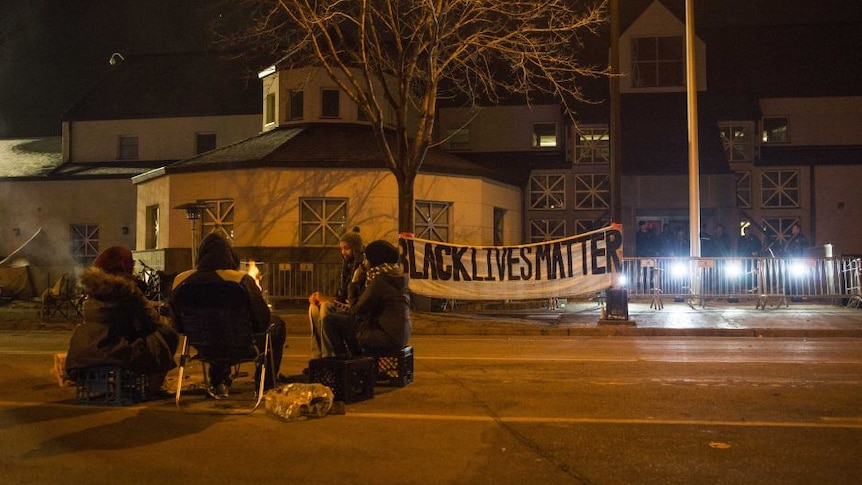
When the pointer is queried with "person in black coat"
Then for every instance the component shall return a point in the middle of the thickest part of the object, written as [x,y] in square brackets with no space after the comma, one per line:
[217,261]
[380,318]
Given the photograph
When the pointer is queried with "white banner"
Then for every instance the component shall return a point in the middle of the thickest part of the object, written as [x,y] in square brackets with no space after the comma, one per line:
[572,266]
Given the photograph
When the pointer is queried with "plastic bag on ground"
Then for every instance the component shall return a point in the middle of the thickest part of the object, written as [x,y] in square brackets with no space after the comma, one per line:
[296,401]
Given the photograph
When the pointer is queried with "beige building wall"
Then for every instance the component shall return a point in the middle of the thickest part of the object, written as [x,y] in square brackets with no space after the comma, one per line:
[158,139]
[54,206]
[266,211]
[806,119]
[497,128]
[838,209]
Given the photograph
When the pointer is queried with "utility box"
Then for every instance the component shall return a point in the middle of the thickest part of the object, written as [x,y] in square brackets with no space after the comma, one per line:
[617,304]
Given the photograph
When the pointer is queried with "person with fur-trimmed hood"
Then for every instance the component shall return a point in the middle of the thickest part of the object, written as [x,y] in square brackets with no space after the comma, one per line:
[121,326]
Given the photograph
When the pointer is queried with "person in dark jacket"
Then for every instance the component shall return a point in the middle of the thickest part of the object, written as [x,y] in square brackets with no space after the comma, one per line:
[121,327]
[382,313]
[217,261]
[335,308]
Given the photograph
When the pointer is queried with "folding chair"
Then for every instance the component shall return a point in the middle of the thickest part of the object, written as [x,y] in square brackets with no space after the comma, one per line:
[56,299]
[214,318]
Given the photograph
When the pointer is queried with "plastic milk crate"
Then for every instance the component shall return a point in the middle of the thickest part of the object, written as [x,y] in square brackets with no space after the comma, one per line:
[110,386]
[351,380]
[395,369]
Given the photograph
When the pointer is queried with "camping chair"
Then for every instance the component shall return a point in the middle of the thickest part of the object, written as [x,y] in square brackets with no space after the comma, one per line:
[56,299]
[214,318]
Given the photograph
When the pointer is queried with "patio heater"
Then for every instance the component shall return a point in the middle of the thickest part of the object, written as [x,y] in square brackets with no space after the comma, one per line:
[194,212]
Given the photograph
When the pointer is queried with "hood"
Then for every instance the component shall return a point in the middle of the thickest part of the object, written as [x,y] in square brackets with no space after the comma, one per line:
[105,286]
[216,253]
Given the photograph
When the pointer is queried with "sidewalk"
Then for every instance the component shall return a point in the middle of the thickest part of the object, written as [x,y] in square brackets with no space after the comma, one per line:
[718,319]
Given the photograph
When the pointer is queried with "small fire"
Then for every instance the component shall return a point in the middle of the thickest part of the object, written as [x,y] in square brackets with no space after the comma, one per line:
[253,271]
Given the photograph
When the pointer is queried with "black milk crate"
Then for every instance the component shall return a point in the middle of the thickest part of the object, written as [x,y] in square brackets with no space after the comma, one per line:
[110,386]
[351,380]
[395,369]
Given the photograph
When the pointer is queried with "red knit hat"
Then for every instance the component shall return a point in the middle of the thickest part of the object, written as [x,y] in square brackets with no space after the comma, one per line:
[115,259]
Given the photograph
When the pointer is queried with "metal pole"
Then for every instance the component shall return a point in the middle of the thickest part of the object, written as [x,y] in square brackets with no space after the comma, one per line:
[693,161]
[615,129]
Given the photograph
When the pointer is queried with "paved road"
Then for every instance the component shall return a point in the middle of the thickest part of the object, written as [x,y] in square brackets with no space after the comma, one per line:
[495,409]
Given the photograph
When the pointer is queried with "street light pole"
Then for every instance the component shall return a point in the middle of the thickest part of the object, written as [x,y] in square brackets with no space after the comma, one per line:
[194,211]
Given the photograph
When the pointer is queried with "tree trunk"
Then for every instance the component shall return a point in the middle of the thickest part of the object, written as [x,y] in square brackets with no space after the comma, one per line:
[406,202]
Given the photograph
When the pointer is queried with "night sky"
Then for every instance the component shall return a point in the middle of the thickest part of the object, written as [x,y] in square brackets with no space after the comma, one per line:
[53,51]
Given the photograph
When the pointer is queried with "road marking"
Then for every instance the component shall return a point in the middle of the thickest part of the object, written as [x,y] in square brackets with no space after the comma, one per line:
[826,423]
[844,423]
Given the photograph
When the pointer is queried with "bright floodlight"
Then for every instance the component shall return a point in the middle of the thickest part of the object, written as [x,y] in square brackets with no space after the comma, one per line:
[733,269]
[797,268]
[679,269]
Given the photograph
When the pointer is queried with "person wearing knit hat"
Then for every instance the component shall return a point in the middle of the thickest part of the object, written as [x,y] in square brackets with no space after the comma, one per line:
[120,326]
[381,315]
[334,307]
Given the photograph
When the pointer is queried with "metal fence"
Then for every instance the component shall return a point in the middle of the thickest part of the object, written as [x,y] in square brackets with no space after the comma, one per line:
[705,278]
[693,279]
[295,280]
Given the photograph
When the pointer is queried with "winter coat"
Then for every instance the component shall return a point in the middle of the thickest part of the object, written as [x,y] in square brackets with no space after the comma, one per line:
[382,313]
[120,328]
[217,261]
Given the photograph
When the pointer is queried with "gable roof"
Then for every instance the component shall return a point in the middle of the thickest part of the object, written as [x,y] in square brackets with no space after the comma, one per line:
[171,85]
[327,146]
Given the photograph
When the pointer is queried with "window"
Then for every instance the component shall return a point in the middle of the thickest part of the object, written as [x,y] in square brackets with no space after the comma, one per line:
[218,215]
[322,221]
[458,138]
[499,216]
[548,192]
[776,231]
[779,188]
[269,108]
[737,140]
[128,147]
[85,243]
[329,103]
[776,130]
[432,220]
[658,61]
[547,230]
[587,225]
[743,189]
[296,110]
[360,114]
[592,191]
[152,228]
[544,135]
[592,145]
[205,142]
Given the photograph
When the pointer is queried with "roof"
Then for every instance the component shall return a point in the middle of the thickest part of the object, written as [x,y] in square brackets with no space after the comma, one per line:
[771,155]
[321,146]
[171,85]
[29,157]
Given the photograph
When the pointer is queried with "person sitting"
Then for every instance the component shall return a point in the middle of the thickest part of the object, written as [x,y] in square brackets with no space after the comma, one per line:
[334,308]
[120,326]
[381,315]
[217,261]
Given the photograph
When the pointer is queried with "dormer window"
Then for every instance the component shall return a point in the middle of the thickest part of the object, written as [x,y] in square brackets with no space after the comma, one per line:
[329,103]
[658,62]
[544,135]
[296,110]
[776,130]
[269,108]
[128,149]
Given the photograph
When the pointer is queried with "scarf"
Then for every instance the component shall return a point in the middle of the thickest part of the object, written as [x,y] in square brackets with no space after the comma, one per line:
[380,268]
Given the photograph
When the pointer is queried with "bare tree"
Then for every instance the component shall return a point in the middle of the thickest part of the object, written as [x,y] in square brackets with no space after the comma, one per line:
[402,56]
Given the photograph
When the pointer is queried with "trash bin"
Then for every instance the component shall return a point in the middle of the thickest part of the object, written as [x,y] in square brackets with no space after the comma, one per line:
[617,304]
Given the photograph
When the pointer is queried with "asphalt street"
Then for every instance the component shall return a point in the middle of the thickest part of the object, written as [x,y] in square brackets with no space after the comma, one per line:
[482,409]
